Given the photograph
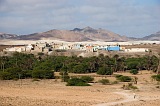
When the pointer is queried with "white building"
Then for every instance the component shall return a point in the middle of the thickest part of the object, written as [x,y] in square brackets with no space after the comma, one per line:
[137,50]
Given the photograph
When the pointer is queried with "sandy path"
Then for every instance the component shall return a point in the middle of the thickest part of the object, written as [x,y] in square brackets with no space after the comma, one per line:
[128,98]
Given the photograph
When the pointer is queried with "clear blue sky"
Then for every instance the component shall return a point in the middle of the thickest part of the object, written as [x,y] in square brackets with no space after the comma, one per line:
[136,18]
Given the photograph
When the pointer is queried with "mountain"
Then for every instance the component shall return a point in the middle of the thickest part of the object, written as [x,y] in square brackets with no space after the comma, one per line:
[154,37]
[7,36]
[77,34]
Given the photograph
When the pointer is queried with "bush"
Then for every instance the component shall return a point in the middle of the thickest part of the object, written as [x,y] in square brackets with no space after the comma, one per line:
[125,78]
[129,86]
[114,82]
[104,81]
[134,71]
[5,76]
[41,74]
[117,76]
[156,77]
[76,82]
[87,79]
[80,68]
[104,71]
[14,72]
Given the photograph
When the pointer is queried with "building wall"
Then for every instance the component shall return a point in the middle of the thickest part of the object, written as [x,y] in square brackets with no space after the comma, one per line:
[113,48]
[136,50]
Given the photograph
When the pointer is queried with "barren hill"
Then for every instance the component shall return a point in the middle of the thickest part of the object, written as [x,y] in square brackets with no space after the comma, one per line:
[155,36]
[77,34]
[7,36]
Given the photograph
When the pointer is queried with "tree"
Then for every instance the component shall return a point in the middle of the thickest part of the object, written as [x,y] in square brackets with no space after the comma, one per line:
[64,74]
[105,71]
[5,75]
[42,74]
[3,61]
[116,58]
[80,68]
[14,72]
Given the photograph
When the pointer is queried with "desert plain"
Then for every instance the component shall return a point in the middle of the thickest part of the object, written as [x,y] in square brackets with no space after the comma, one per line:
[53,92]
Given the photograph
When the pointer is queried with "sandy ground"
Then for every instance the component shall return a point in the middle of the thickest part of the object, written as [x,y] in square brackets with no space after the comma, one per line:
[22,42]
[55,93]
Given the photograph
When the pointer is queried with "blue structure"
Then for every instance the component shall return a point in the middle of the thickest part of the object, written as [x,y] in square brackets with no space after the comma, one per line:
[113,48]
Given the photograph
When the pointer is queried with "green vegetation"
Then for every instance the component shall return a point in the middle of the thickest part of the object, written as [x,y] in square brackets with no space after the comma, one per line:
[115,82]
[123,78]
[134,71]
[64,76]
[129,86]
[77,82]
[104,71]
[42,74]
[87,79]
[118,76]
[21,65]
[156,77]
[104,81]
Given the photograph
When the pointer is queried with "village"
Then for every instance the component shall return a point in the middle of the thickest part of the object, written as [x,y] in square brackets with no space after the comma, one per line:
[49,48]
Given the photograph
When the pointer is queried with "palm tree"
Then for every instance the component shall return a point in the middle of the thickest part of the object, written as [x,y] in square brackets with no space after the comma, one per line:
[3,62]
[115,62]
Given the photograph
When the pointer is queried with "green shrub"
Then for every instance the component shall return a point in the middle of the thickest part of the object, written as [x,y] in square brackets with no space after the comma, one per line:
[156,77]
[117,76]
[129,86]
[5,76]
[87,78]
[104,81]
[14,72]
[134,71]
[114,82]
[41,74]
[105,71]
[11,73]
[80,68]
[76,82]
[125,78]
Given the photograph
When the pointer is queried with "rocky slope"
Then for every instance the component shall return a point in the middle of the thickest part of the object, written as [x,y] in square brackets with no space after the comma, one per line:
[7,36]
[155,37]
[77,34]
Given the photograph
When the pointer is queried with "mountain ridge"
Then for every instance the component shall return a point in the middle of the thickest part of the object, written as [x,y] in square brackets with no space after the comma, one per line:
[155,36]
[78,34]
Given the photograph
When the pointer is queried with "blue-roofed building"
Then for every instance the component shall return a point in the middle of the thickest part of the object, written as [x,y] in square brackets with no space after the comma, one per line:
[113,48]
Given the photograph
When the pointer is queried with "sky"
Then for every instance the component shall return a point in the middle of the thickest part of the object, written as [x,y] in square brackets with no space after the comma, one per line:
[132,18]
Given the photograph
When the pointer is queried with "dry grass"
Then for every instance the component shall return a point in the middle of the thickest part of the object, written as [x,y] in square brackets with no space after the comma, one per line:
[54,92]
